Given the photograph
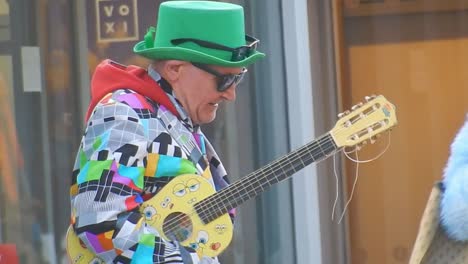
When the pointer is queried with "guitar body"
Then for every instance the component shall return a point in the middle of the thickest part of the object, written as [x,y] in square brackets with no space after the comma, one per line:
[172,214]
[172,208]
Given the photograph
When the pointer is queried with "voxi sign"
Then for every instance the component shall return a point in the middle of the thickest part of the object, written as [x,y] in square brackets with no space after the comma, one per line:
[116,20]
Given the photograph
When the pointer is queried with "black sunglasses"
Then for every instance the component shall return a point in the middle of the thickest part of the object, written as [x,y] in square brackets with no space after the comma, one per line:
[238,53]
[224,80]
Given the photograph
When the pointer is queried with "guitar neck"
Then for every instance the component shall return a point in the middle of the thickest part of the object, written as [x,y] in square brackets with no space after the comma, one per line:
[258,181]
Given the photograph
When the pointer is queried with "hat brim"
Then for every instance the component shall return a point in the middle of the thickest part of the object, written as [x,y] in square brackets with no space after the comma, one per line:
[179,53]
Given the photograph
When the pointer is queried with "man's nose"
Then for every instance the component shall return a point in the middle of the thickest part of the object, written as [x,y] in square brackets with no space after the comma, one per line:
[230,93]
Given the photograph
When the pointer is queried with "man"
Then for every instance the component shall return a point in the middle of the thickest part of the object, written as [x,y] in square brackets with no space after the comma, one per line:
[143,130]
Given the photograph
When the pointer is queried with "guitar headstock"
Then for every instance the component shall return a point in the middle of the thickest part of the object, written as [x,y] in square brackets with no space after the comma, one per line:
[365,121]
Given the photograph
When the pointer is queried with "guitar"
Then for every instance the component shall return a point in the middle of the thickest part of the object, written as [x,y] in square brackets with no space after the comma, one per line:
[190,211]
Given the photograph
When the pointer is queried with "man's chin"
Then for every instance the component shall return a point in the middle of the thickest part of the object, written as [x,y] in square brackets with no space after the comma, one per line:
[206,119]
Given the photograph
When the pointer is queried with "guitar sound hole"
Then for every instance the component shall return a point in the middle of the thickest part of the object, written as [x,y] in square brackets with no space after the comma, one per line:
[178,226]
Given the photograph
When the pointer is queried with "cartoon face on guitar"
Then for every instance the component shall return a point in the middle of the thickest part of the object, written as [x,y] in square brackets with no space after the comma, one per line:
[187,188]
[174,217]
[150,213]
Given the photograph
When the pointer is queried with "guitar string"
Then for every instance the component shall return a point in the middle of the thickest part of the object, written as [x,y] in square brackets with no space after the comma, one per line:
[337,187]
[276,172]
[286,173]
[211,204]
[273,167]
[222,195]
[357,161]
[182,219]
[253,184]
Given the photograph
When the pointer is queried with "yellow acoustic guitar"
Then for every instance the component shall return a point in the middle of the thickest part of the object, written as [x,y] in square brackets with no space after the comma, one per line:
[189,210]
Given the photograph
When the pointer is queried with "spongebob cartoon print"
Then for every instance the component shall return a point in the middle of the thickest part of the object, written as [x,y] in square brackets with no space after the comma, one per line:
[171,213]
[150,214]
[174,217]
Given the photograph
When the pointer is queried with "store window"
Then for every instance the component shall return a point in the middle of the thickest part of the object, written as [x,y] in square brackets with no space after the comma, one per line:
[18,218]
[38,132]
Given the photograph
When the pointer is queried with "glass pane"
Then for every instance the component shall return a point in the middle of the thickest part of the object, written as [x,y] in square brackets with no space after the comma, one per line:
[4,20]
[57,47]
[8,169]
[19,224]
[414,53]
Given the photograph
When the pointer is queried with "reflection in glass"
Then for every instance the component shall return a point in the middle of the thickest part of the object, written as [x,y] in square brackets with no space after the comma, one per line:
[8,194]
[18,219]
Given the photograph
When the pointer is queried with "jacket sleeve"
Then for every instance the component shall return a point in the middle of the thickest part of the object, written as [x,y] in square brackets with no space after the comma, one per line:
[108,185]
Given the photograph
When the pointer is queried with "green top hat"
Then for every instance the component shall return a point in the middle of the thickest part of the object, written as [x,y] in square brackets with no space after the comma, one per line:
[200,31]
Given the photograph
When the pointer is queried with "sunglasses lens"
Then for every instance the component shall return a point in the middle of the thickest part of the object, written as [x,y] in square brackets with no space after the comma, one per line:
[242,52]
[238,54]
[226,82]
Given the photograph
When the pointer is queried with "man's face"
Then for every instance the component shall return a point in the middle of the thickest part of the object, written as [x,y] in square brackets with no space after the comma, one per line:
[197,92]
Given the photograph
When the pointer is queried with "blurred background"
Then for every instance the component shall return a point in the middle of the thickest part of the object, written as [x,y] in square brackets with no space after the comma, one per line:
[323,57]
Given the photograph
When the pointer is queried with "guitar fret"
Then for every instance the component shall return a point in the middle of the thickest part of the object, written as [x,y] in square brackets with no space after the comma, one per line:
[320,146]
[300,159]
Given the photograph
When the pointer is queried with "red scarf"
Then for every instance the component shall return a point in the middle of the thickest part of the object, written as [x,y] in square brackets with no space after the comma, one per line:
[110,76]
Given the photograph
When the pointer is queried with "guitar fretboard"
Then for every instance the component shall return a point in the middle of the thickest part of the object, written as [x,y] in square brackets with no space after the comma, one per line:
[258,181]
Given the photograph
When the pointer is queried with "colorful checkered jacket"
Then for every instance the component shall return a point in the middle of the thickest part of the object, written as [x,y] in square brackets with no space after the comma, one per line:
[125,157]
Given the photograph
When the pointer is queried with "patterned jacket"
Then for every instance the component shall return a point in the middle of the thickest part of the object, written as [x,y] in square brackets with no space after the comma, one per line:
[125,157]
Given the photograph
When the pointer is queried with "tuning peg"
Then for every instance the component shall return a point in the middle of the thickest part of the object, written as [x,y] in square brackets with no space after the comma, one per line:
[357,106]
[361,145]
[370,97]
[340,115]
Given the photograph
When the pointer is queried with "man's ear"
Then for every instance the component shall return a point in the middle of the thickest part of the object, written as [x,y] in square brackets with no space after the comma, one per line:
[172,70]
